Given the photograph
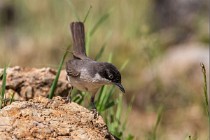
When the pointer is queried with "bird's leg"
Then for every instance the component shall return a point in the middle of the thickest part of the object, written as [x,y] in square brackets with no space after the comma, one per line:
[68,98]
[95,112]
[92,101]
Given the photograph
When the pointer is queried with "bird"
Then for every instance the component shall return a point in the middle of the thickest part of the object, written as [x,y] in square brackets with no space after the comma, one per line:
[86,74]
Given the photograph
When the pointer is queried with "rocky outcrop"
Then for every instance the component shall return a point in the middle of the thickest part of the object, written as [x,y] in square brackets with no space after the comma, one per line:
[27,83]
[42,118]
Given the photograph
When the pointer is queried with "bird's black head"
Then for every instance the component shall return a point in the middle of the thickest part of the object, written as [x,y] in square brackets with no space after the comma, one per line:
[110,73]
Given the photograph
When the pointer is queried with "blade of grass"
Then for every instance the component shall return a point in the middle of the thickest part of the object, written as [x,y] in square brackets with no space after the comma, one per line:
[12,97]
[124,65]
[92,31]
[206,101]
[205,88]
[159,116]
[3,87]
[55,81]
[77,96]
[87,43]
[114,119]
[99,95]
[110,57]
[119,107]
[87,14]
[129,137]
[99,54]
[73,9]
[100,21]
[128,112]
[107,97]
[101,99]
[82,95]
[109,105]
[1,75]
[110,120]
[79,99]
[115,125]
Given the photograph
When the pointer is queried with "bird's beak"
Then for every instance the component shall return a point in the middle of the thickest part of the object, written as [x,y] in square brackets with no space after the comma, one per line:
[120,87]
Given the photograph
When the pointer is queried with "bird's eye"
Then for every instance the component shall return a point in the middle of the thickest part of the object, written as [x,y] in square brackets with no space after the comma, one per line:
[110,76]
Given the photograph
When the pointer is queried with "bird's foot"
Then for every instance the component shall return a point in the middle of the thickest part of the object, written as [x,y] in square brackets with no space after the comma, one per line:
[95,113]
[67,99]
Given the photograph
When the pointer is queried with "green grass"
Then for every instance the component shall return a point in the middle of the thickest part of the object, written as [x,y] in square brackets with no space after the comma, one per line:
[3,88]
[3,100]
[206,99]
[73,10]
[12,97]
[92,31]
[116,119]
[55,81]
[158,120]
[77,96]
[205,89]
[88,12]
[152,135]
[101,20]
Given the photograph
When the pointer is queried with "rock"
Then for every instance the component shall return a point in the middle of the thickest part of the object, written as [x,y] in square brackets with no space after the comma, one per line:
[42,118]
[27,83]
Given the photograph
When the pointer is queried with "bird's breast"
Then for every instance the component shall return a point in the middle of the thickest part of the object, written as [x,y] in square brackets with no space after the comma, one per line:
[86,82]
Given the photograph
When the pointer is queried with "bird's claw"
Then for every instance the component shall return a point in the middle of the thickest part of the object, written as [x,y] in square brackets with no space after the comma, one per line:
[67,99]
[95,113]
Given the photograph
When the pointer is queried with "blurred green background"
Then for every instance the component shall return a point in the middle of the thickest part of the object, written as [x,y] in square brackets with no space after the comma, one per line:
[164,42]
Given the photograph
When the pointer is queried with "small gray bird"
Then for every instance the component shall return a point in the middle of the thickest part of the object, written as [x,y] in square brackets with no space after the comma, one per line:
[86,74]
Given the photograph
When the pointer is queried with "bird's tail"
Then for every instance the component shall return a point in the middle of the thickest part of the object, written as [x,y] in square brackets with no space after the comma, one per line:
[78,35]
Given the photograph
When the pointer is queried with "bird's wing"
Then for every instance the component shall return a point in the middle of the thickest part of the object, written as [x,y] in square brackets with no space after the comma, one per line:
[71,70]
[78,35]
